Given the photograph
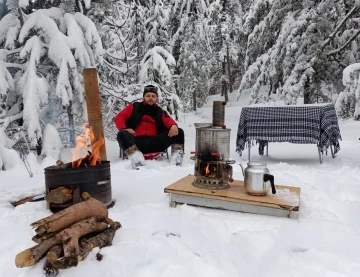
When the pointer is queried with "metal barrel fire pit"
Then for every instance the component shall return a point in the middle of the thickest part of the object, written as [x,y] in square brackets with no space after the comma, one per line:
[95,180]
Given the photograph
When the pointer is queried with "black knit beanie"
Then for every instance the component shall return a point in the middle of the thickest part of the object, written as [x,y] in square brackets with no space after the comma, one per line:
[150,88]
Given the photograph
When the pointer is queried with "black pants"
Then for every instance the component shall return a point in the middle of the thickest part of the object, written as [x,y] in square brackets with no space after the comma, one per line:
[149,144]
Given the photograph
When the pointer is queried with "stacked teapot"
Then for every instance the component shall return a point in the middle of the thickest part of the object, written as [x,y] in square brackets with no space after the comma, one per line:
[257,179]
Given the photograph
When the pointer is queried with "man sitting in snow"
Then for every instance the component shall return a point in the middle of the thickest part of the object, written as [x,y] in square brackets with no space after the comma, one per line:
[144,128]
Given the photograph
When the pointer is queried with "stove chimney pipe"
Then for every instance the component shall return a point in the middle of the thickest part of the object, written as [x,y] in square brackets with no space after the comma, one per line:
[218,119]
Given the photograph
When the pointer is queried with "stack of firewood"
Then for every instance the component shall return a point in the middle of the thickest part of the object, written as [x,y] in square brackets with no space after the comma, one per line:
[67,237]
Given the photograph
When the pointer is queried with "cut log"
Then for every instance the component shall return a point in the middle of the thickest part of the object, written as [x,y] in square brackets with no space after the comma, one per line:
[29,199]
[103,239]
[68,237]
[59,195]
[40,239]
[50,270]
[55,253]
[63,219]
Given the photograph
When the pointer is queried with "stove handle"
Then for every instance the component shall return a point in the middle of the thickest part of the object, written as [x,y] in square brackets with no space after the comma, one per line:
[103,182]
[216,154]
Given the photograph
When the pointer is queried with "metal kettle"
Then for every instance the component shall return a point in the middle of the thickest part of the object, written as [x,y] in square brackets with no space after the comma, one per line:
[256,179]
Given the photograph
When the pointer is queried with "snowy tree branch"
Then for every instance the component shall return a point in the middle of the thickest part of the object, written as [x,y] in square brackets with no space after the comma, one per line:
[116,25]
[338,61]
[337,28]
[112,91]
[7,120]
[15,65]
[14,51]
[335,51]
[116,68]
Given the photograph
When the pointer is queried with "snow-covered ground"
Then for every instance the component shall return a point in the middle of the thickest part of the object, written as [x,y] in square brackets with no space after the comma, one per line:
[160,241]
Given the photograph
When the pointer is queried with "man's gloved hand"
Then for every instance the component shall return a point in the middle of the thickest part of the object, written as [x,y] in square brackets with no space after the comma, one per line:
[174,131]
[131,131]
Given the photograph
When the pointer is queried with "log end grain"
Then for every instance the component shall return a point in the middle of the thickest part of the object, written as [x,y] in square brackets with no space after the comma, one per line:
[25,259]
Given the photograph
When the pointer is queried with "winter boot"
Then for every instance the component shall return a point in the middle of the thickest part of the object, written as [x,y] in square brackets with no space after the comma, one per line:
[135,156]
[177,154]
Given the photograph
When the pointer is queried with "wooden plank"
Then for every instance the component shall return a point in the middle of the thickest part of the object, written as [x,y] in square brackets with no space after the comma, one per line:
[287,198]
[230,206]
[35,198]
[93,104]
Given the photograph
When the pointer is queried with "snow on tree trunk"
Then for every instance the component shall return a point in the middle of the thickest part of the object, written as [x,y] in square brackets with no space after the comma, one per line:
[8,157]
[51,144]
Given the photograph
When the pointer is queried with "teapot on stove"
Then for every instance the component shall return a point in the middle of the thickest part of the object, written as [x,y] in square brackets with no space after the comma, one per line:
[256,179]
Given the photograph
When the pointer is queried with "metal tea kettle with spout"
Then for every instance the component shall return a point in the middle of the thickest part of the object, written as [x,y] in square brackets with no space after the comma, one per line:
[256,179]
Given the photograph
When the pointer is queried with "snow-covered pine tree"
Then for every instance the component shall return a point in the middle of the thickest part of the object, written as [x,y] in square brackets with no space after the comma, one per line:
[193,61]
[157,66]
[226,16]
[219,80]
[348,102]
[48,52]
[290,47]
[70,6]
[186,7]
[157,26]
[121,26]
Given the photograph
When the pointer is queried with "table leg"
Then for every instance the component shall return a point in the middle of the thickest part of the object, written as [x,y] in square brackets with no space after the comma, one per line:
[321,158]
[267,148]
[332,151]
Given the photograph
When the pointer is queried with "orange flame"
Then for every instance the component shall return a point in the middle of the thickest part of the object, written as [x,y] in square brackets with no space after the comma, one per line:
[95,155]
[83,145]
[207,171]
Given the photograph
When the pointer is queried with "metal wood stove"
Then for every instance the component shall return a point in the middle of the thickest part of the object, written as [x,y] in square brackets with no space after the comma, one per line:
[213,168]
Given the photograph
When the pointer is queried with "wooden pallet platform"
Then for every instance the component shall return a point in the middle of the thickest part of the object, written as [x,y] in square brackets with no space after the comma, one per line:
[285,203]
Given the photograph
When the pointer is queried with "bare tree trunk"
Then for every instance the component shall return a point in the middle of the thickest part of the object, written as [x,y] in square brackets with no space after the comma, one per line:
[224,84]
[71,125]
[228,68]
[194,100]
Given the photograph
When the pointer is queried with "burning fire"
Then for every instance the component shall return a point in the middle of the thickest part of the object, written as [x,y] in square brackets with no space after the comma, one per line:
[207,171]
[83,144]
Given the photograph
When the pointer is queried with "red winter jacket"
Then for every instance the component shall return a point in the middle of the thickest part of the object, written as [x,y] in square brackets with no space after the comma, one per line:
[147,125]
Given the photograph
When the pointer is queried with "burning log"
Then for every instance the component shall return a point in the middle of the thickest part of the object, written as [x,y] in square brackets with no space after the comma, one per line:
[88,160]
[80,211]
[59,195]
[63,165]
[93,104]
